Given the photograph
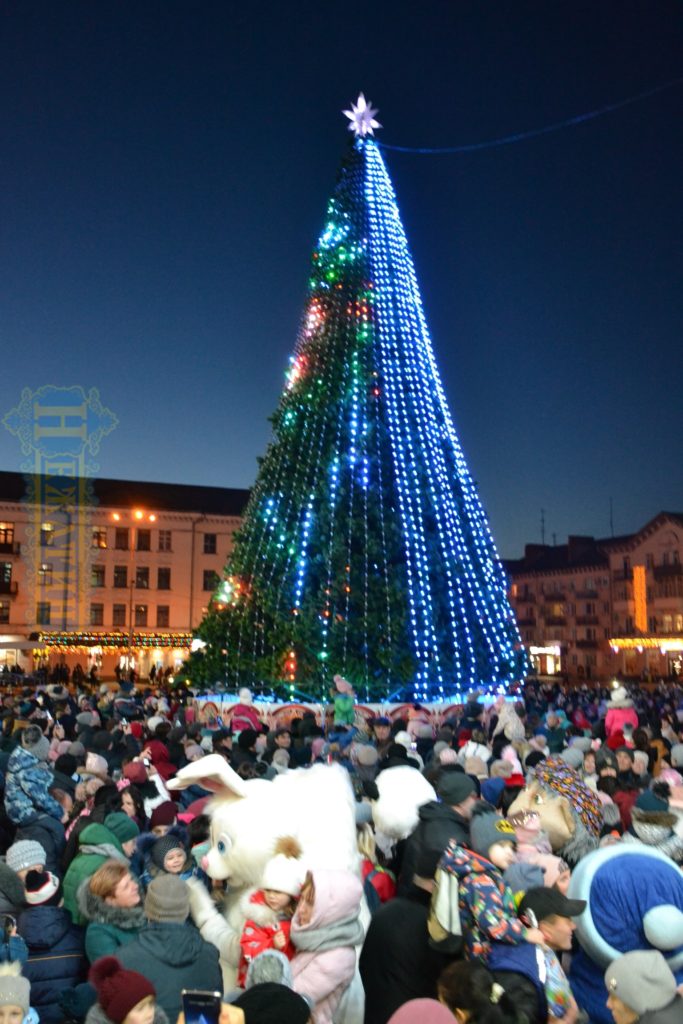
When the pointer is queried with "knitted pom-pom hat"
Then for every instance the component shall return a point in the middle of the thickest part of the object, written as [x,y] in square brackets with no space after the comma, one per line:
[14,989]
[118,990]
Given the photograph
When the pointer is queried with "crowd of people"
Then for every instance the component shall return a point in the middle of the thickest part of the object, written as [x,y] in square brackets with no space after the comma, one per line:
[471,915]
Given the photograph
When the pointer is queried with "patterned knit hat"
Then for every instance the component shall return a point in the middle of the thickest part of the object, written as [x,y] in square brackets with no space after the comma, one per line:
[557,776]
[163,846]
[14,990]
[118,990]
[35,743]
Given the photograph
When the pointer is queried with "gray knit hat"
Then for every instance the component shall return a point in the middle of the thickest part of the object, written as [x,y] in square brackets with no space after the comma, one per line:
[26,853]
[573,757]
[14,990]
[642,980]
[168,900]
[33,741]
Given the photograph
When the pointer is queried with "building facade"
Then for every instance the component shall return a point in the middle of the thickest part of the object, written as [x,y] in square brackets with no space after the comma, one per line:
[592,609]
[120,578]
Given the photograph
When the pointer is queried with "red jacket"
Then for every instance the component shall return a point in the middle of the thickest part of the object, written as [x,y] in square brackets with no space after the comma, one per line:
[260,929]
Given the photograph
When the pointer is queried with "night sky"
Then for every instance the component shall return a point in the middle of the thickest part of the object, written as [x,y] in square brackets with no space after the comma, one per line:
[164,172]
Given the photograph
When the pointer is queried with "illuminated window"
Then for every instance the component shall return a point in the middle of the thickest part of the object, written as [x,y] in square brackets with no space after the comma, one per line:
[99,537]
[45,574]
[142,577]
[47,534]
[6,533]
[98,576]
[164,540]
[140,614]
[4,612]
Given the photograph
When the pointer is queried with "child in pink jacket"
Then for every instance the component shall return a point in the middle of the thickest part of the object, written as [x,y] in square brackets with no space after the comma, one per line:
[325,931]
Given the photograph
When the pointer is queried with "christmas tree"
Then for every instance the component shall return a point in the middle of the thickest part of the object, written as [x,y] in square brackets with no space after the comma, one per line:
[364,549]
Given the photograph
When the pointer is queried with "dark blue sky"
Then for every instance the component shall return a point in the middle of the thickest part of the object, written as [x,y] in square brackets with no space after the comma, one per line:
[164,171]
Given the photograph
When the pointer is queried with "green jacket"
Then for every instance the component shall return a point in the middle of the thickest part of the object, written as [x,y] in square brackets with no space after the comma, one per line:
[96,844]
[109,927]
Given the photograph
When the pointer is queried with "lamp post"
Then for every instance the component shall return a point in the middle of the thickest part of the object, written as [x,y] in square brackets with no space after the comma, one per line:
[138,517]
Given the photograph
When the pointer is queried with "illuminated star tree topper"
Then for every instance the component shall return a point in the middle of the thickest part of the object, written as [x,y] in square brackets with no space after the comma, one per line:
[362,117]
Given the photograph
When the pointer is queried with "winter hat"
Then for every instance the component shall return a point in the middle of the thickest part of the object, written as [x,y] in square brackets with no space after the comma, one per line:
[515,781]
[136,773]
[647,801]
[167,899]
[619,698]
[84,720]
[604,758]
[582,743]
[454,786]
[448,756]
[165,814]
[492,790]
[269,966]
[42,887]
[284,871]
[244,695]
[641,979]
[33,741]
[270,1003]
[625,750]
[96,765]
[676,756]
[280,760]
[123,827]
[475,766]
[533,758]
[154,721]
[101,742]
[403,738]
[136,730]
[365,754]
[343,685]
[118,990]
[487,829]
[76,749]
[500,769]
[247,738]
[193,752]
[14,989]
[163,846]
[640,761]
[573,757]
[12,892]
[426,1011]
[25,853]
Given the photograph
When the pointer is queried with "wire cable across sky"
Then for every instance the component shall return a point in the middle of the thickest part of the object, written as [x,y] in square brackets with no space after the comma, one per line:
[507,140]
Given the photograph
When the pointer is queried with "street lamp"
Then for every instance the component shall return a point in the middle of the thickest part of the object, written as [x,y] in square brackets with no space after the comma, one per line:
[139,516]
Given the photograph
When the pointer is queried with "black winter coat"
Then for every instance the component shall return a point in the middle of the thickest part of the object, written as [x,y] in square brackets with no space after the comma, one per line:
[56,958]
[438,824]
[396,961]
[173,957]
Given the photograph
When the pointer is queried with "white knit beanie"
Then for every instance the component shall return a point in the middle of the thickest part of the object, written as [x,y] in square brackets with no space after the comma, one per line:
[14,989]
[284,872]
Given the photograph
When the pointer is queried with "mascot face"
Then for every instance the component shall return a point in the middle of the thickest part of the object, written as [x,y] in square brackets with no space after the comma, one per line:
[553,810]
[635,902]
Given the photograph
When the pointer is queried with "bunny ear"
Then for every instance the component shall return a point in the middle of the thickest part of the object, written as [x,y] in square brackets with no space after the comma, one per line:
[212,773]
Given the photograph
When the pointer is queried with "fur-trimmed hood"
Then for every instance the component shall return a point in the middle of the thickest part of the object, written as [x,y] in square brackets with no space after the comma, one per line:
[12,893]
[94,909]
[254,908]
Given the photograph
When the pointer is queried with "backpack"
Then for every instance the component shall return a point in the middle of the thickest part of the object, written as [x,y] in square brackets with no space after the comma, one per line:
[443,920]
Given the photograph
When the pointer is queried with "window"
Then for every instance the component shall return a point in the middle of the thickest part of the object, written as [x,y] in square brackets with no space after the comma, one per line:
[210,579]
[99,537]
[142,577]
[47,535]
[97,579]
[6,573]
[96,614]
[590,608]
[43,613]
[4,611]
[121,538]
[590,634]
[164,540]
[140,614]
[667,621]
[162,615]
[209,543]
[144,540]
[45,574]
[163,579]
[120,575]
[626,565]
[6,533]
[649,561]
[119,616]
